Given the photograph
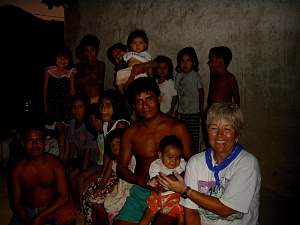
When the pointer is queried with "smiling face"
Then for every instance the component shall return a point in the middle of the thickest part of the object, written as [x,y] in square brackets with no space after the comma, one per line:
[170,156]
[62,61]
[221,137]
[34,142]
[147,105]
[138,44]
[106,109]
[186,64]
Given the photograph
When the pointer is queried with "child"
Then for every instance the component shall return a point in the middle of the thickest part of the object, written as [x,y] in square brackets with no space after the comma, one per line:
[137,44]
[167,202]
[102,187]
[82,145]
[190,92]
[163,74]
[90,69]
[110,117]
[58,89]
[223,86]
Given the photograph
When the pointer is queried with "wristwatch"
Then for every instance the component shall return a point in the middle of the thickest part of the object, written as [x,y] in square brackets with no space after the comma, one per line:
[184,194]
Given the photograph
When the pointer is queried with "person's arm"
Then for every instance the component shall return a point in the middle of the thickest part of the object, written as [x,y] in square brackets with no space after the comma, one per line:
[45,91]
[210,203]
[18,207]
[72,82]
[191,216]
[235,90]
[138,69]
[184,135]
[124,159]
[86,158]
[107,171]
[201,101]
[173,104]
[62,191]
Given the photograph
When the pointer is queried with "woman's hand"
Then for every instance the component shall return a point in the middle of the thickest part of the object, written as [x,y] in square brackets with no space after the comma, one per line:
[171,184]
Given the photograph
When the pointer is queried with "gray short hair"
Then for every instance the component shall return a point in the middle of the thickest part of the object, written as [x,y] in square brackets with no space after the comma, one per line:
[228,111]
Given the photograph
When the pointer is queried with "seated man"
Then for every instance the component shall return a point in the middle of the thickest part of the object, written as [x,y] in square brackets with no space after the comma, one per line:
[40,193]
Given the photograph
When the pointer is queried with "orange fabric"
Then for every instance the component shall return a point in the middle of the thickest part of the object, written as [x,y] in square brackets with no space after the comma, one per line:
[166,204]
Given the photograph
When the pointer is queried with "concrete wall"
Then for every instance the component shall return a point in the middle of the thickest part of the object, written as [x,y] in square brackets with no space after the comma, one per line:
[264,37]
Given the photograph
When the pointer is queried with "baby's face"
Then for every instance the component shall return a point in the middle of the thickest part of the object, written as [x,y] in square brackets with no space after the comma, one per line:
[170,156]
[138,44]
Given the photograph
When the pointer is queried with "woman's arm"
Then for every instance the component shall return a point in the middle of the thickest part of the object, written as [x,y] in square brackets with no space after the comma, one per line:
[210,203]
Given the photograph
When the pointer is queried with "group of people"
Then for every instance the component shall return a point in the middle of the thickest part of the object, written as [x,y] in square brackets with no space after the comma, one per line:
[132,155]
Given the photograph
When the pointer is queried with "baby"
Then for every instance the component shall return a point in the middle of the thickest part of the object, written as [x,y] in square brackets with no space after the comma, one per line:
[166,202]
[137,44]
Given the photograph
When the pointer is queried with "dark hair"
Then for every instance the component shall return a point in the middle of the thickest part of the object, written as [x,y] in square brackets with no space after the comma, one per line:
[170,140]
[140,85]
[81,97]
[116,133]
[88,39]
[135,34]
[221,52]
[65,52]
[112,48]
[168,61]
[117,104]
[190,51]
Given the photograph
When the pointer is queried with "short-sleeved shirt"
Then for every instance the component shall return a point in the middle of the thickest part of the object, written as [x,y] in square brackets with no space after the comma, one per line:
[83,140]
[240,187]
[188,85]
[167,92]
[158,166]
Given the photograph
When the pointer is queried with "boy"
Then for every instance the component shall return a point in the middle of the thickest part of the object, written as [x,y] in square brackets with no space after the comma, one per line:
[223,86]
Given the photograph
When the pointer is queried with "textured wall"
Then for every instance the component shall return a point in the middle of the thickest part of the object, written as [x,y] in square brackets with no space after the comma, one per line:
[264,37]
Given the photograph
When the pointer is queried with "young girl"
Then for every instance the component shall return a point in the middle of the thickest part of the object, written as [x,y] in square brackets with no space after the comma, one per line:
[163,74]
[137,44]
[58,89]
[81,148]
[165,202]
[111,117]
[106,194]
[190,92]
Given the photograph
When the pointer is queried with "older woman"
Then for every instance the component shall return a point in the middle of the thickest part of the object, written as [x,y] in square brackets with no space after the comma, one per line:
[222,184]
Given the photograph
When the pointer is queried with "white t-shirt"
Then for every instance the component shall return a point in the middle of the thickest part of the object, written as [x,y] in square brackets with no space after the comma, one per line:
[240,187]
[167,92]
[157,166]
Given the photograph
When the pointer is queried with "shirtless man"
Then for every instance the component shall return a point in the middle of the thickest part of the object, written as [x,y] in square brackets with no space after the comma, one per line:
[223,86]
[40,193]
[142,140]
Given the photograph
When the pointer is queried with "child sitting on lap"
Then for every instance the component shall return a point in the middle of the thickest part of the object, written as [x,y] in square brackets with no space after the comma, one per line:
[165,202]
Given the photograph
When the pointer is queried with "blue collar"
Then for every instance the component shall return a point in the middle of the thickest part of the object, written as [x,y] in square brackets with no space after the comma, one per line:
[217,168]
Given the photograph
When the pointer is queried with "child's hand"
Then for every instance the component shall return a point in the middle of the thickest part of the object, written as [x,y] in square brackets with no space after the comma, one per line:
[153,182]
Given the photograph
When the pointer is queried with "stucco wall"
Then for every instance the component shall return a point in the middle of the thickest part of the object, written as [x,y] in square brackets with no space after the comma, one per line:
[264,38]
